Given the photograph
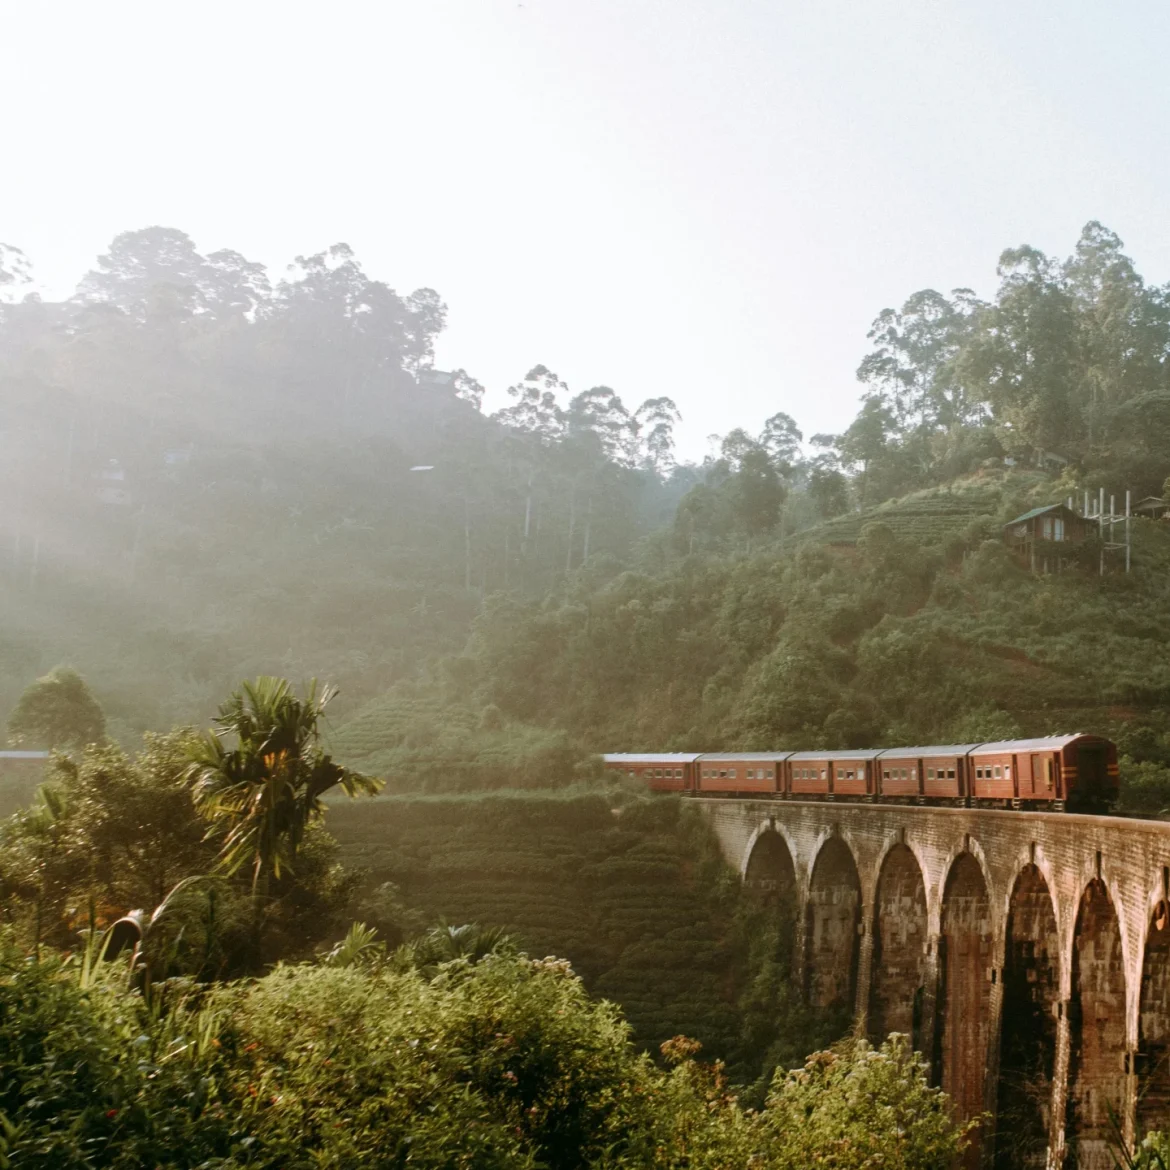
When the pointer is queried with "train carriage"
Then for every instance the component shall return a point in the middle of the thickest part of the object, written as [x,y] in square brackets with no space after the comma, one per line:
[992,772]
[1071,771]
[898,773]
[808,773]
[841,773]
[853,773]
[662,771]
[745,772]
[942,769]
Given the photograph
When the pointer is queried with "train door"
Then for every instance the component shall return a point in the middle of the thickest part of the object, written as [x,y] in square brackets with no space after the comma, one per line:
[1091,781]
[1041,775]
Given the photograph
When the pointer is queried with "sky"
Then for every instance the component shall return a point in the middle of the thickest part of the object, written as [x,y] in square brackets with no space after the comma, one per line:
[706,199]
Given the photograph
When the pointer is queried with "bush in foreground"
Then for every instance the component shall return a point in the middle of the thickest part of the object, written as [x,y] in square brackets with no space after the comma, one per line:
[501,1063]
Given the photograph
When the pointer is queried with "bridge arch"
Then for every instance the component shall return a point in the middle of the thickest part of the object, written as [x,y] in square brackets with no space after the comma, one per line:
[1097,1080]
[966,846]
[965,964]
[770,854]
[900,936]
[1032,980]
[832,927]
[1152,1065]
[1152,1043]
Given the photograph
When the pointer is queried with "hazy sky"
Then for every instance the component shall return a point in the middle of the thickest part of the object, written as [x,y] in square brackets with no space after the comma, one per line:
[710,200]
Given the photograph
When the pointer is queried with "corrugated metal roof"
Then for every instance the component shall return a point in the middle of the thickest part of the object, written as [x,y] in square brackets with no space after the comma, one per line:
[648,758]
[937,749]
[1036,512]
[745,755]
[868,754]
[24,755]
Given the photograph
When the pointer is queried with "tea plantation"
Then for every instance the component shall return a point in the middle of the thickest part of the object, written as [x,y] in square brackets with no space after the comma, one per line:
[631,891]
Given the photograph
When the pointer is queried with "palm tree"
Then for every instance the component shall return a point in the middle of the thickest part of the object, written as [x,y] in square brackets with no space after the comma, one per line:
[260,774]
[444,943]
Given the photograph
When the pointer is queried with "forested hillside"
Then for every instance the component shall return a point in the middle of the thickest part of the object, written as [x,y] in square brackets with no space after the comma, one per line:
[209,474]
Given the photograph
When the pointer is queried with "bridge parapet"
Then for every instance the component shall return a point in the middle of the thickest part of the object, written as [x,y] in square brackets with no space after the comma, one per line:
[1034,937]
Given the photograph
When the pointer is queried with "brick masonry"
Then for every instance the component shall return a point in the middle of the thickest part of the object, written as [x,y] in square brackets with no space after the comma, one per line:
[1027,953]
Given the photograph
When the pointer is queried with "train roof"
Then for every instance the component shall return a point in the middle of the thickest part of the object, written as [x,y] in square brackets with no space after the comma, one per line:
[866,754]
[745,756]
[650,757]
[936,749]
[1047,743]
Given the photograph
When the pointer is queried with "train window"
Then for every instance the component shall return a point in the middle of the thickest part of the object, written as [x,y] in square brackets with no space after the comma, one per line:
[904,776]
[860,773]
[824,773]
[998,772]
[750,774]
[771,774]
[840,773]
[848,774]
[731,773]
[913,773]
[723,774]
[678,774]
[1007,771]
[950,773]
[885,773]
[930,773]
[657,772]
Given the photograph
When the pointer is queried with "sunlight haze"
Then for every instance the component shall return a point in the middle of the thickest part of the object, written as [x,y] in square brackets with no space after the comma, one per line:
[705,200]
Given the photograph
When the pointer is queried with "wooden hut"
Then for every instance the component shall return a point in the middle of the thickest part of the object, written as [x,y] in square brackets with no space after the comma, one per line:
[1154,507]
[1047,539]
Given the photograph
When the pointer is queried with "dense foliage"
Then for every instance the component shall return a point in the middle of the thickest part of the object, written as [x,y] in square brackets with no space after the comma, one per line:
[505,1062]
[234,459]
[213,843]
[634,891]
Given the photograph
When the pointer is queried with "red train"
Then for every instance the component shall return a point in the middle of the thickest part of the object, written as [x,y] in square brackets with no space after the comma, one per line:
[1077,772]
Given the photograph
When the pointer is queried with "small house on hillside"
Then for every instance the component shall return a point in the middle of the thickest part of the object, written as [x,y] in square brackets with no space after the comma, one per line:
[1047,539]
[1153,506]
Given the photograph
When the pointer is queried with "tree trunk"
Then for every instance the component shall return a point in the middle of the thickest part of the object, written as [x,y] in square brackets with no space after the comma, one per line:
[466,546]
[572,526]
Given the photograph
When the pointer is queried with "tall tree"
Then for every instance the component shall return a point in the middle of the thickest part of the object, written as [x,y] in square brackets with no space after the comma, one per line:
[537,409]
[137,263]
[15,273]
[260,775]
[231,286]
[655,420]
[781,438]
[1025,358]
[756,492]
[599,414]
[57,711]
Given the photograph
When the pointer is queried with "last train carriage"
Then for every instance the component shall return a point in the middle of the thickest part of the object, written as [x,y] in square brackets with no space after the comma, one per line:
[1077,772]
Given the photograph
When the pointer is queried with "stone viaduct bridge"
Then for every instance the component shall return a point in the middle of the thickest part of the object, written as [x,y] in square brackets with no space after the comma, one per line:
[1027,954]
